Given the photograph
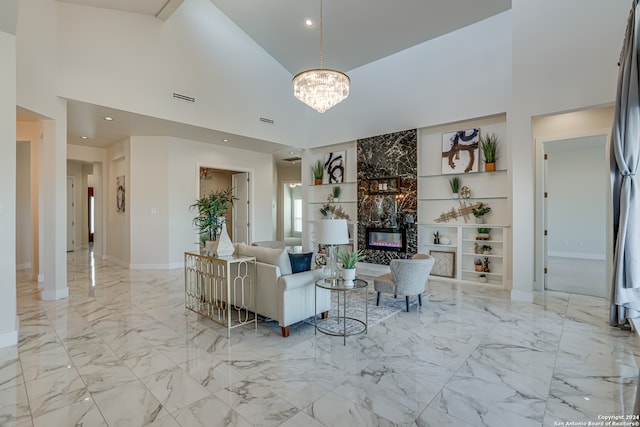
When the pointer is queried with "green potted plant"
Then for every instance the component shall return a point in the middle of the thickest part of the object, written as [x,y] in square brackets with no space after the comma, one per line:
[489,147]
[486,249]
[436,238]
[479,211]
[483,234]
[209,220]
[454,183]
[349,261]
[335,193]
[318,172]
[478,264]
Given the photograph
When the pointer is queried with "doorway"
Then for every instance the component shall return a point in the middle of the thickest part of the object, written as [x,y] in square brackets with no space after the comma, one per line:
[238,217]
[71,215]
[575,215]
[292,213]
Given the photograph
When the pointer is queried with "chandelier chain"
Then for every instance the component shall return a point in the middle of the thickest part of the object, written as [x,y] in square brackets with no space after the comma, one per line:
[321,35]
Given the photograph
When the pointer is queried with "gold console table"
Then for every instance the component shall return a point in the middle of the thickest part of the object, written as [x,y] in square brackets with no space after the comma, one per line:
[221,289]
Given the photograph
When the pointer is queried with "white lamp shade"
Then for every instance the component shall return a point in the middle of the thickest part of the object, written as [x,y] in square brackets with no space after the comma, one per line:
[332,232]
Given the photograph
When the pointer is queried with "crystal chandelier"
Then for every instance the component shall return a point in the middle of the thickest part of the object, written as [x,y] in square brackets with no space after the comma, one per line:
[320,88]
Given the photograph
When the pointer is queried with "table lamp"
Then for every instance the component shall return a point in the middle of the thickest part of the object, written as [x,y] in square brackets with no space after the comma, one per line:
[332,232]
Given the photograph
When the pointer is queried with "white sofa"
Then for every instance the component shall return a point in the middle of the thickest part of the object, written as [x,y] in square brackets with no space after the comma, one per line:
[282,296]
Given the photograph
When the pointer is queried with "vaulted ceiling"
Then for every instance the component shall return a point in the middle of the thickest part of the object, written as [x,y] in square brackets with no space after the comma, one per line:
[356,32]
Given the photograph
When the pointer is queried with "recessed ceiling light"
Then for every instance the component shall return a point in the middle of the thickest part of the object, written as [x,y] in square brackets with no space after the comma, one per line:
[107,118]
[292,152]
[308,22]
[84,137]
[225,140]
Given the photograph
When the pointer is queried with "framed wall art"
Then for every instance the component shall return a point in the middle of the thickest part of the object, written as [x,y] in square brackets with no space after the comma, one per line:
[445,265]
[334,164]
[120,194]
[460,151]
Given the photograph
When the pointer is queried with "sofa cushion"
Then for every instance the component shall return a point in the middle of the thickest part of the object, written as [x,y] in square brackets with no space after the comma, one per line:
[300,262]
[277,257]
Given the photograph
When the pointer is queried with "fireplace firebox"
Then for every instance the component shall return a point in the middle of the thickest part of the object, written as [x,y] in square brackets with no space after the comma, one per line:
[386,239]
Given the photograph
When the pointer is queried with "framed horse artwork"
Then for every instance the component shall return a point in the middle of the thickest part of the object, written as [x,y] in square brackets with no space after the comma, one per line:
[460,151]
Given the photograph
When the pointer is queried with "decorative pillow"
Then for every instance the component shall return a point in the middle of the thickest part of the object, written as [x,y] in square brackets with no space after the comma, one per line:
[300,262]
[276,257]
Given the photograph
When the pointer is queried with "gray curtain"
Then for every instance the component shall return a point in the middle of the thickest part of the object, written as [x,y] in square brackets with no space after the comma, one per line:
[625,154]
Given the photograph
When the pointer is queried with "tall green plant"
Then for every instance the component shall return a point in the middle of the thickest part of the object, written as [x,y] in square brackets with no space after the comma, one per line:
[350,259]
[318,170]
[210,208]
[455,184]
[489,146]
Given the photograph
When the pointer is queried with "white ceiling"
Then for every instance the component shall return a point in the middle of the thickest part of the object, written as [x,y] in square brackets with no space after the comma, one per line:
[356,32]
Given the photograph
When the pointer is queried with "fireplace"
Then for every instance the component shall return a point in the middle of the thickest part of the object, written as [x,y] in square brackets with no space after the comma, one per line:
[386,239]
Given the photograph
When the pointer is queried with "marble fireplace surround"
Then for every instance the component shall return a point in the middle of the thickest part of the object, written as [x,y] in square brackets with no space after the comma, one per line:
[382,159]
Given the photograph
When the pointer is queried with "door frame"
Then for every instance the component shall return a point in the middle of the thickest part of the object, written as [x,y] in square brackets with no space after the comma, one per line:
[230,168]
[541,209]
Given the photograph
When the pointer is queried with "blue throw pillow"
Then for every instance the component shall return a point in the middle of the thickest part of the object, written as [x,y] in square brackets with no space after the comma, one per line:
[300,262]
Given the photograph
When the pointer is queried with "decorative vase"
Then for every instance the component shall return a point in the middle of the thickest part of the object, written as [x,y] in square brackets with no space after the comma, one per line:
[479,267]
[317,181]
[223,246]
[489,167]
[455,195]
[445,240]
[348,274]
[479,220]
[436,241]
[482,279]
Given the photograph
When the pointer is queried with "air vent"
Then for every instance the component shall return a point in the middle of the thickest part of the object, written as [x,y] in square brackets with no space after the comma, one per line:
[293,159]
[184,97]
[266,120]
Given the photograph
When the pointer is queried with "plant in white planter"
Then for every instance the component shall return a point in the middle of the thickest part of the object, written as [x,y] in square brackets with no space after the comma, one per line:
[210,222]
[349,261]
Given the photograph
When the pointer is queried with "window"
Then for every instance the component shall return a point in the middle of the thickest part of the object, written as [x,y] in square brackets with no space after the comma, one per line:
[297,215]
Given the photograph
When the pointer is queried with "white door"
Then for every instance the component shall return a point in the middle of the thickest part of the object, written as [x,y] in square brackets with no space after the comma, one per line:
[241,208]
[576,178]
[71,215]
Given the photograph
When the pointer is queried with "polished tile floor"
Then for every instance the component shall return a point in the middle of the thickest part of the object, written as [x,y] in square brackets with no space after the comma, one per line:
[122,351]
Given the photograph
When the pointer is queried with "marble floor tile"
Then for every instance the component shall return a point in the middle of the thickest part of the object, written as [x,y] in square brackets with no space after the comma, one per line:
[121,350]
[257,404]
[210,411]
[55,391]
[80,413]
[174,388]
[130,404]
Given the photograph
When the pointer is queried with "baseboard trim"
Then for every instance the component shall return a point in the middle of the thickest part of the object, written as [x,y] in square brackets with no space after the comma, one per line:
[10,339]
[48,295]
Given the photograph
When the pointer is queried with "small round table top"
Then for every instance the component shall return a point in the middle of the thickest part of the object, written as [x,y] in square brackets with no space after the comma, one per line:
[339,284]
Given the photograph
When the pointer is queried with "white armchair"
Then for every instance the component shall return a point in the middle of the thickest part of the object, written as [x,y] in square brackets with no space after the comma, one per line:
[408,277]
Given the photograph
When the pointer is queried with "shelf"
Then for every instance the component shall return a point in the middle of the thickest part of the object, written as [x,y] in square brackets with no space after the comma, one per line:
[439,199]
[333,203]
[440,245]
[482,272]
[460,174]
[478,241]
[482,255]
[333,184]
[474,225]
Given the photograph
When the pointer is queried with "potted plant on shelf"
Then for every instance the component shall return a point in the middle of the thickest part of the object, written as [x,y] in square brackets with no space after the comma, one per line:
[483,233]
[486,249]
[335,194]
[479,211]
[436,238]
[489,146]
[454,183]
[318,172]
[478,263]
[349,261]
[210,222]
[483,278]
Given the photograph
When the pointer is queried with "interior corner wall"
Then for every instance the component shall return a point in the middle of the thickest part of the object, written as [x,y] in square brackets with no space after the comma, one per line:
[119,223]
[148,202]
[184,160]
[24,240]
[565,58]
[8,318]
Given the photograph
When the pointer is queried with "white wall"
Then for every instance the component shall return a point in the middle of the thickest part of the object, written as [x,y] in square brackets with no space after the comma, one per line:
[165,177]
[576,202]
[24,241]
[197,52]
[461,75]
[565,58]
[119,224]
[8,319]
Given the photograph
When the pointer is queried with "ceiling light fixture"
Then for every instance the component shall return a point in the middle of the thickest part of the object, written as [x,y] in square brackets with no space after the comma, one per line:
[84,137]
[107,118]
[321,88]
